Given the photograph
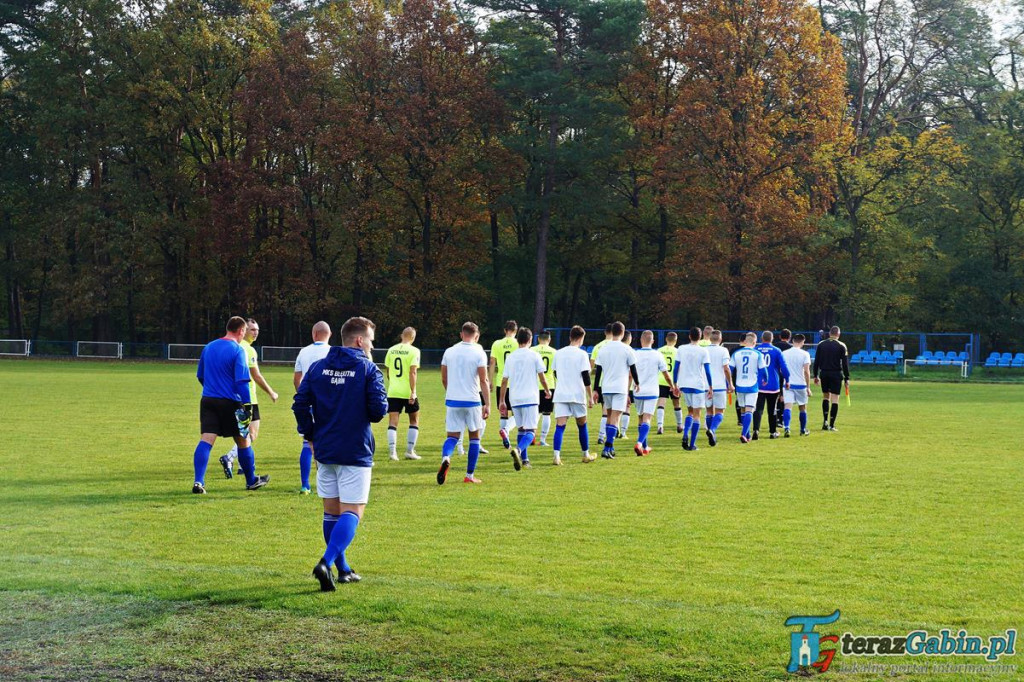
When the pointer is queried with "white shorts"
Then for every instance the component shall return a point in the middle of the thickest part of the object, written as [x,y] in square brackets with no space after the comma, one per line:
[795,395]
[744,400]
[717,402]
[646,405]
[615,401]
[527,416]
[349,484]
[458,418]
[696,400]
[574,410]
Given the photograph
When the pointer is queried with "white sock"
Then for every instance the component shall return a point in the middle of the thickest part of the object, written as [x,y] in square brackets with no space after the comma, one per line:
[624,423]
[604,425]
[504,423]
[410,440]
[511,422]
[545,426]
[679,418]
[233,453]
[458,446]
[661,417]
[392,438]
[483,427]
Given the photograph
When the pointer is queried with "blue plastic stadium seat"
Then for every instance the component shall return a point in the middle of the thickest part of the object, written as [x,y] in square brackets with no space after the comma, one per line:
[898,354]
[1006,356]
[933,361]
[1019,356]
[926,354]
[920,360]
[994,355]
[939,355]
[964,357]
[1003,362]
[855,359]
[1017,363]
[992,362]
[867,359]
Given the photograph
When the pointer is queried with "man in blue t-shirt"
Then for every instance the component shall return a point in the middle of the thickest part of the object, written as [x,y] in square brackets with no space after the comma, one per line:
[773,379]
[225,408]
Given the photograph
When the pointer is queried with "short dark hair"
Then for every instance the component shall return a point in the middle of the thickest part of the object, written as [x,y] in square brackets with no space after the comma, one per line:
[470,328]
[695,333]
[544,336]
[797,338]
[767,336]
[834,331]
[618,329]
[608,327]
[671,336]
[524,335]
[511,326]
[235,324]
[577,332]
[627,336]
[785,334]
[355,326]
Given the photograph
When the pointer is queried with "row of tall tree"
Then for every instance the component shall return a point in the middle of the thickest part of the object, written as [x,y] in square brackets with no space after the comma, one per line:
[668,162]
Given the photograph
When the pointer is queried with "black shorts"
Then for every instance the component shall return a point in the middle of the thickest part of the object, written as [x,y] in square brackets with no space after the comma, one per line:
[217,416]
[497,397]
[546,405]
[832,382]
[255,412]
[399,404]
[600,396]
[664,391]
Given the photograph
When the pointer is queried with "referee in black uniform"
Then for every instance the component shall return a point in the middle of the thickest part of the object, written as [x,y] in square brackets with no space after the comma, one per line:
[831,369]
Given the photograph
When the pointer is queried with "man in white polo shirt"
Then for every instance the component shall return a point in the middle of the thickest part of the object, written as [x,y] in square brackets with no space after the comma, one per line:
[307,356]
[614,370]
[523,368]
[464,376]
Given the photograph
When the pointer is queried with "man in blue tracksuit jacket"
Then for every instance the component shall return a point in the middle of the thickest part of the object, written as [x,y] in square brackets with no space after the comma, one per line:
[772,380]
[337,400]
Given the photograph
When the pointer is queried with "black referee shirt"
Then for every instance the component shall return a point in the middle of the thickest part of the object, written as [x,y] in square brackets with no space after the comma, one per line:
[831,356]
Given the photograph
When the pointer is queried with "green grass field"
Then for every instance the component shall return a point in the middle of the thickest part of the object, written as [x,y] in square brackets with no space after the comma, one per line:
[676,566]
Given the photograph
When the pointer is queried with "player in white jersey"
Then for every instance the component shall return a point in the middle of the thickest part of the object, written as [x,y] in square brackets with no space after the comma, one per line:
[721,386]
[614,371]
[650,367]
[748,363]
[799,363]
[627,338]
[693,379]
[483,427]
[523,369]
[464,376]
[597,386]
[572,393]
[307,356]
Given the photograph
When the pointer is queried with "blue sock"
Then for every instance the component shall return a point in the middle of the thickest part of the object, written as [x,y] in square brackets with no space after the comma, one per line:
[694,430]
[559,434]
[472,456]
[641,434]
[747,419]
[329,521]
[786,416]
[305,464]
[247,460]
[803,420]
[609,436]
[584,438]
[524,440]
[448,449]
[686,426]
[717,421]
[708,419]
[199,461]
[341,537]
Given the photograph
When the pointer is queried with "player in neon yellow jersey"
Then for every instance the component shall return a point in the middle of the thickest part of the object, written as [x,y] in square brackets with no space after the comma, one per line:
[500,350]
[664,390]
[401,367]
[547,405]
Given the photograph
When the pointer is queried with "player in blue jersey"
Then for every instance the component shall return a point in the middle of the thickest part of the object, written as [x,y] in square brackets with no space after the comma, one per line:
[748,363]
[773,379]
[225,408]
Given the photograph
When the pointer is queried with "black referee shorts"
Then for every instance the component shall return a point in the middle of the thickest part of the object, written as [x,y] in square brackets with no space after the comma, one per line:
[832,382]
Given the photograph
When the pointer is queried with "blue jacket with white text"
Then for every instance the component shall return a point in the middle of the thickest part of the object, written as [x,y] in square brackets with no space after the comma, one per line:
[337,400]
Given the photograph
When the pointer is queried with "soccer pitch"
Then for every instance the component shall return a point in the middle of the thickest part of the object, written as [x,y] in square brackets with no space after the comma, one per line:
[676,566]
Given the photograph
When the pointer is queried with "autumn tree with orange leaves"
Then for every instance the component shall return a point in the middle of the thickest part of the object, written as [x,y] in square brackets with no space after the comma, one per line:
[745,145]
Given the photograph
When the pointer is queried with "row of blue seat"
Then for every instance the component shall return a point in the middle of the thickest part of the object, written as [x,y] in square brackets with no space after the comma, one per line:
[875,357]
[996,359]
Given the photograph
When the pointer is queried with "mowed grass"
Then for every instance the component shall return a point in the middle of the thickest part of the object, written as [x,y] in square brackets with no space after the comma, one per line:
[676,566]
